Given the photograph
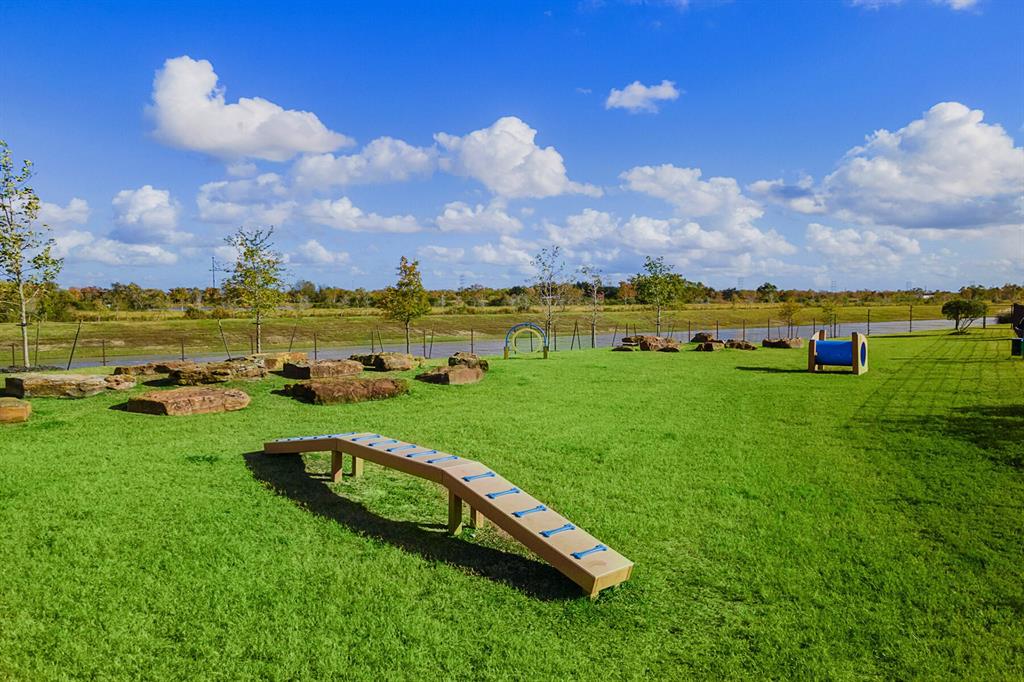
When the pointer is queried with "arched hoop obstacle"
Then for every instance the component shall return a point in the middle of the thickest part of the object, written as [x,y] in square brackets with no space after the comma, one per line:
[576,553]
[852,353]
[525,328]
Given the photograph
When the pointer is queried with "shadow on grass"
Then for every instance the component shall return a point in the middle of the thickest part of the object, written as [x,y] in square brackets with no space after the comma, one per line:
[997,431]
[287,476]
[159,383]
[771,370]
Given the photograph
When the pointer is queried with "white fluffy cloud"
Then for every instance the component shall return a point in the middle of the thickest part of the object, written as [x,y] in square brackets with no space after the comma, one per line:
[712,215]
[382,160]
[315,253]
[458,216]
[341,214]
[75,213]
[947,170]
[448,254]
[637,97]
[860,249]
[146,216]
[263,200]
[79,245]
[505,158]
[190,112]
[508,252]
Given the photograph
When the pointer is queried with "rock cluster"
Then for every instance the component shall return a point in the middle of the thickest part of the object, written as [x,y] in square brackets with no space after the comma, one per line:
[322,370]
[452,375]
[783,343]
[275,361]
[196,374]
[710,346]
[645,342]
[740,344]
[189,400]
[703,337]
[346,390]
[63,385]
[471,360]
[13,411]
[388,361]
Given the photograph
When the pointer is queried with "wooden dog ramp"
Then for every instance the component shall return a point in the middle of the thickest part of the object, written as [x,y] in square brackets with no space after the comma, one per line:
[579,555]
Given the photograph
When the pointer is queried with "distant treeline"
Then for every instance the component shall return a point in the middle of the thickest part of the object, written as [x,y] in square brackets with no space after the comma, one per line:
[63,304]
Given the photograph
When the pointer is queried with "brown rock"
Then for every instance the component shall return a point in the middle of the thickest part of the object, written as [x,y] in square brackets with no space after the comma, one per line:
[13,411]
[119,382]
[710,346]
[189,400]
[277,360]
[147,369]
[783,343]
[217,372]
[470,360]
[740,344]
[650,343]
[322,370]
[168,367]
[54,385]
[452,375]
[346,390]
[387,361]
[703,337]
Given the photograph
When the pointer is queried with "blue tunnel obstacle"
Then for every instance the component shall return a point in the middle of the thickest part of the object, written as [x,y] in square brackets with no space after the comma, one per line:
[852,353]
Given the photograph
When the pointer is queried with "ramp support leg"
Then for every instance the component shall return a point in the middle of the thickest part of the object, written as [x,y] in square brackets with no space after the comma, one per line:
[357,466]
[336,471]
[476,518]
[454,513]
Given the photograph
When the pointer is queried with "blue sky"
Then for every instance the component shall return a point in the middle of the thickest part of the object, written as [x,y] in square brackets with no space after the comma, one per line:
[868,143]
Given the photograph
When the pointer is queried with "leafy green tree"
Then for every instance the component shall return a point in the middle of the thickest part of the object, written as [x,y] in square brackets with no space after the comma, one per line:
[26,259]
[767,292]
[789,310]
[657,286]
[406,300]
[256,282]
[963,312]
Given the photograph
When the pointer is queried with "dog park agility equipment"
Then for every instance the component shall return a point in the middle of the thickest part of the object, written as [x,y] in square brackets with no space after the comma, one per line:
[852,353]
[524,328]
[580,556]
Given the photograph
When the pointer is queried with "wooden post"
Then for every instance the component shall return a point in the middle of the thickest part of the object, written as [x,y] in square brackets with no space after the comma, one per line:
[454,513]
[314,347]
[337,463]
[476,518]
[689,336]
[718,333]
[74,345]
[357,466]
[593,335]
[822,335]
[857,341]
[869,321]
[744,330]
[812,351]
[911,330]
[223,339]
[103,349]
[472,340]
[430,352]
[183,349]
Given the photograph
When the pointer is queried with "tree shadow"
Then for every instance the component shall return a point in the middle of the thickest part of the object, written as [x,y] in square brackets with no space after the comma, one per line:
[997,431]
[287,476]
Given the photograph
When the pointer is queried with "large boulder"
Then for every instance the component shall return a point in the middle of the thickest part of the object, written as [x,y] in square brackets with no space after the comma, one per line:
[174,365]
[387,361]
[323,369]
[471,360]
[740,344]
[452,375]
[346,390]
[147,369]
[119,382]
[189,400]
[709,346]
[783,343]
[58,385]
[703,337]
[275,361]
[217,372]
[650,343]
[13,411]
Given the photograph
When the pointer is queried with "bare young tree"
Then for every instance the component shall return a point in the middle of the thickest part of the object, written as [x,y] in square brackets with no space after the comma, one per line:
[257,279]
[550,268]
[592,280]
[26,261]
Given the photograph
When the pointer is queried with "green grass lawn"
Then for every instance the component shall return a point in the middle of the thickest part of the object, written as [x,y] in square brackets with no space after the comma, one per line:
[783,525]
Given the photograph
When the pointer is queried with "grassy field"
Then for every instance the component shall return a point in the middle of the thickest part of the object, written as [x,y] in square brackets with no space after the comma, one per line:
[137,335]
[783,525]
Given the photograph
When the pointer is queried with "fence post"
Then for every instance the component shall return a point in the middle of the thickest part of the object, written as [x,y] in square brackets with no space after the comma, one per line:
[182,349]
[911,329]
[744,330]
[74,345]
[718,333]
[869,321]
[472,340]
[223,339]
[430,353]
[424,343]
[314,347]
[593,334]
[103,349]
